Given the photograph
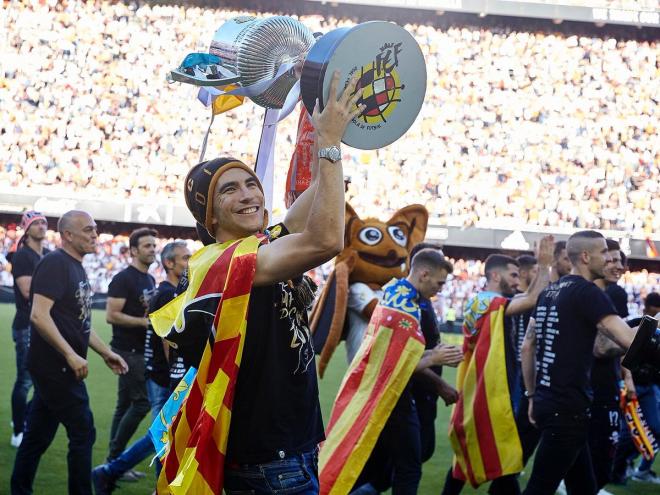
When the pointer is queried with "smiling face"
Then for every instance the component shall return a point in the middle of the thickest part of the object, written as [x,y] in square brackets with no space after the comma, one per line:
[614,269]
[238,206]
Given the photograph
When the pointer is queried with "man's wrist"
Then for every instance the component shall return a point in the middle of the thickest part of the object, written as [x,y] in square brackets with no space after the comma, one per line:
[529,394]
[327,142]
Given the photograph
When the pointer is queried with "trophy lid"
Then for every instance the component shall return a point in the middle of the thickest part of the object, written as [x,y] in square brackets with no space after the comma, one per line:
[392,71]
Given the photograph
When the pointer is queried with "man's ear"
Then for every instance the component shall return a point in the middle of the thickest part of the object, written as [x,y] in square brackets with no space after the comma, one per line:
[416,218]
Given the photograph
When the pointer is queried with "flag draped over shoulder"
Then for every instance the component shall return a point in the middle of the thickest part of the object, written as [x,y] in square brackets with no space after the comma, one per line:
[482,429]
[390,351]
[197,438]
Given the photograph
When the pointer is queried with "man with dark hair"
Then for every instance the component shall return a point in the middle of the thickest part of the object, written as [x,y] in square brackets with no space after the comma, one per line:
[60,336]
[127,307]
[174,258]
[428,384]
[489,368]
[561,265]
[23,263]
[568,316]
[246,300]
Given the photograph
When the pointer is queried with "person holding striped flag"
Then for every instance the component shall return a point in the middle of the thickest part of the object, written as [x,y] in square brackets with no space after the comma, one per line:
[252,421]
[482,428]
[374,406]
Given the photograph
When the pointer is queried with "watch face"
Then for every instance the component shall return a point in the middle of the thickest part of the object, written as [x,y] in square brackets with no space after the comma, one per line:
[333,153]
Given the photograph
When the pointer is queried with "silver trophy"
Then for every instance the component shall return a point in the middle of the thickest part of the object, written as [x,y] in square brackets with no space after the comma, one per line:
[276,60]
[262,55]
[256,49]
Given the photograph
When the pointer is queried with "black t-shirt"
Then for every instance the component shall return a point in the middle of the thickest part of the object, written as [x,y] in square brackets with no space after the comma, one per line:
[23,263]
[606,372]
[566,316]
[520,323]
[276,404]
[156,367]
[137,288]
[421,390]
[61,278]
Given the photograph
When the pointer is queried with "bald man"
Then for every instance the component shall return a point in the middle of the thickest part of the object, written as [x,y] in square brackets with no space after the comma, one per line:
[569,315]
[61,334]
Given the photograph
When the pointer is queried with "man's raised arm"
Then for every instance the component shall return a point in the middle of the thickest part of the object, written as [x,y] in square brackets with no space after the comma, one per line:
[323,235]
[527,300]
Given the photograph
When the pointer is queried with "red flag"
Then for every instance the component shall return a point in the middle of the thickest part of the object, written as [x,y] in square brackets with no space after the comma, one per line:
[300,169]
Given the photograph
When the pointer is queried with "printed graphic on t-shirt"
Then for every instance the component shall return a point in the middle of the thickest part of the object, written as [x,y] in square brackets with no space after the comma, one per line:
[546,317]
[145,298]
[83,297]
[301,340]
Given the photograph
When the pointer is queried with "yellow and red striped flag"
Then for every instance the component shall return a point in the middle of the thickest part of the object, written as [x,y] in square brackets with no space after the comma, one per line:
[642,436]
[482,429]
[197,439]
[390,351]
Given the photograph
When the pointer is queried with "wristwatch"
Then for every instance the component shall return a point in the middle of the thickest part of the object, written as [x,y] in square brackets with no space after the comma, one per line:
[528,395]
[330,153]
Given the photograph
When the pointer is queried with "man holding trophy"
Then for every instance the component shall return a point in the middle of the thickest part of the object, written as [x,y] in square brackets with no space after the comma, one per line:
[257,367]
[251,422]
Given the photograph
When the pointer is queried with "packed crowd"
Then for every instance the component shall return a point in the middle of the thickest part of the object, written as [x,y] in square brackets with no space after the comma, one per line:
[467,279]
[89,111]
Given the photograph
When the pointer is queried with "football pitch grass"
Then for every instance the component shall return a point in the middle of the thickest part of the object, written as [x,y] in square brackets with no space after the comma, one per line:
[102,387]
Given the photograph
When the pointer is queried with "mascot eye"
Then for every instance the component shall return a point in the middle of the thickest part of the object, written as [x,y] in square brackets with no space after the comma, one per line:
[398,235]
[371,236]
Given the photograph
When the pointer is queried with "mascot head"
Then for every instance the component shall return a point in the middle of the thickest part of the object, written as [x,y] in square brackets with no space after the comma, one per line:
[380,249]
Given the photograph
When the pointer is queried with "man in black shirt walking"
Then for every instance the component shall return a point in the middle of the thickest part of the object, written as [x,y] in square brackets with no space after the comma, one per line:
[276,421]
[127,307]
[24,261]
[60,336]
[560,338]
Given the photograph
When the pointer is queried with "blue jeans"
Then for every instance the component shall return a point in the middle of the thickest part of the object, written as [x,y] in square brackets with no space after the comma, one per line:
[649,402]
[57,400]
[19,403]
[144,447]
[296,474]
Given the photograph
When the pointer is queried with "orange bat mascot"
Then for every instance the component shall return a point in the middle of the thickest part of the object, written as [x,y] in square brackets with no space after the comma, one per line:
[374,253]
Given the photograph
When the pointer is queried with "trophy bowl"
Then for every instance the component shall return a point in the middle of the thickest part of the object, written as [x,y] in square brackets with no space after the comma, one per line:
[255,49]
